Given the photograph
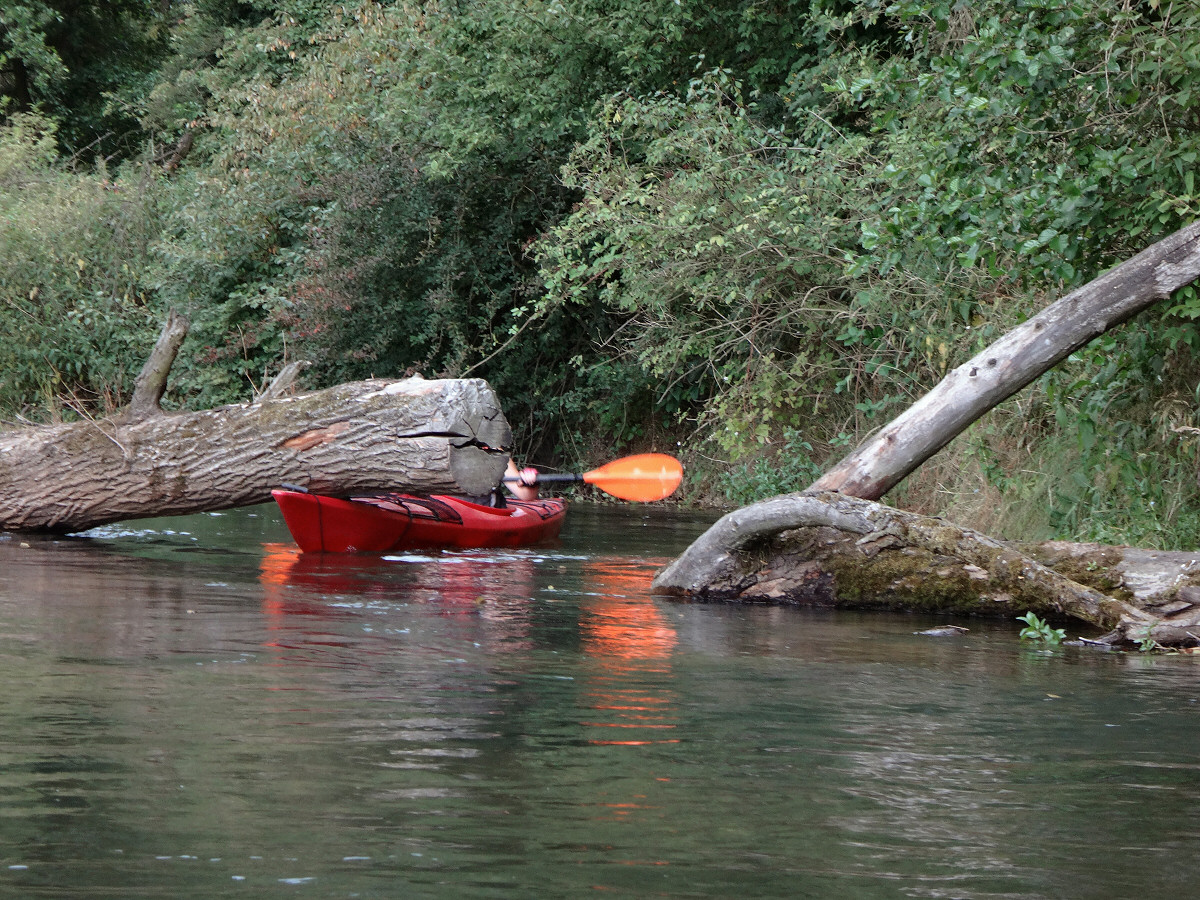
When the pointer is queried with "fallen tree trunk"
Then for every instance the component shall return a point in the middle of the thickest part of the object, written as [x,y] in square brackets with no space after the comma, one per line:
[1023,354]
[438,436]
[828,550]
[830,546]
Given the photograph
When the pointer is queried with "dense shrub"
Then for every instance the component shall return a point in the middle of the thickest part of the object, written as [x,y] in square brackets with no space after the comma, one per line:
[942,171]
[74,312]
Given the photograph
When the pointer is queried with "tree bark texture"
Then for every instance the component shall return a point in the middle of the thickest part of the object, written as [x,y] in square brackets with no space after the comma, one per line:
[440,436]
[829,550]
[1016,359]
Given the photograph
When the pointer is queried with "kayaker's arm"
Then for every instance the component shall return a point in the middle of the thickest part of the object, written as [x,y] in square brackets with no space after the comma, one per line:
[522,483]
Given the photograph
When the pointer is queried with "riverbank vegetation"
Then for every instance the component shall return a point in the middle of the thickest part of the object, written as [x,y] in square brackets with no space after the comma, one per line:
[750,232]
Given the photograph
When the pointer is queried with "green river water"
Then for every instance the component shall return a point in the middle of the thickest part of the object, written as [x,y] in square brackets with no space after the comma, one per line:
[192,709]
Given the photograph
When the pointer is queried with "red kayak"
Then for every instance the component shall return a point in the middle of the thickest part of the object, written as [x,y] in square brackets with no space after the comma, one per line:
[387,522]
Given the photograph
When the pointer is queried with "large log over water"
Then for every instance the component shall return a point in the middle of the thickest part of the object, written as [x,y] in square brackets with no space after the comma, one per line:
[441,436]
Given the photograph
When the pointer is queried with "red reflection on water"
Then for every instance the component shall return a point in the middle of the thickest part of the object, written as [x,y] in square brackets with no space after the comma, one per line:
[470,590]
[630,642]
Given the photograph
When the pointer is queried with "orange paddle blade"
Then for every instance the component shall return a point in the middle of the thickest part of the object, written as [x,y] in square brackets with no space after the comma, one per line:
[647,477]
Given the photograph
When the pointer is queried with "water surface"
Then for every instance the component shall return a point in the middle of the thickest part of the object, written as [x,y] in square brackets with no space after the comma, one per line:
[191,708]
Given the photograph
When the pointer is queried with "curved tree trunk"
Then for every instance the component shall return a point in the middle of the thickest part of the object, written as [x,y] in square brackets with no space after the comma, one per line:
[830,546]
[828,550]
[442,436]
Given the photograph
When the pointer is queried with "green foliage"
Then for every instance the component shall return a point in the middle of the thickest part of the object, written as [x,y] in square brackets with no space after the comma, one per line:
[414,158]
[181,91]
[1039,631]
[1126,473]
[694,231]
[1044,133]
[789,468]
[761,228]
[957,165]
[1149,645]
[82,62]
[35,68]
[73,309]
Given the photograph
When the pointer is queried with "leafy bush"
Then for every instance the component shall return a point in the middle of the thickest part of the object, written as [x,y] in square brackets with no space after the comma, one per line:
[940,172]
[790,468]
[73,307]
[695,230]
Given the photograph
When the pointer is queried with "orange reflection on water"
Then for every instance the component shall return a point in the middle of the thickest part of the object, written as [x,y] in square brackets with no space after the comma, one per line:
[630,643]
[290,580]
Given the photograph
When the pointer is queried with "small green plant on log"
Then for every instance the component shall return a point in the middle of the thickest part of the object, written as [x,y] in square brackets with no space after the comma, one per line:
[1039,631]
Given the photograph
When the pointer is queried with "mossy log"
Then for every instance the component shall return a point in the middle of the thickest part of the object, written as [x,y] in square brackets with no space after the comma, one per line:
[436,436]
[825,549]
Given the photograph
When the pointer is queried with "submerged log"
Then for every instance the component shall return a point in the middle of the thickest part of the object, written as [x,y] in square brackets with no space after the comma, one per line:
[439,436]
[829,550]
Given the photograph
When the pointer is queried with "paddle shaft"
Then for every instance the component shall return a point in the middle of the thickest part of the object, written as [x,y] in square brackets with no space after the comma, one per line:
[547,478]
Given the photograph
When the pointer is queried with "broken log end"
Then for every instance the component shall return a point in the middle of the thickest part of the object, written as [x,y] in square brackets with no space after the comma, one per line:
[284,381]
[151,383]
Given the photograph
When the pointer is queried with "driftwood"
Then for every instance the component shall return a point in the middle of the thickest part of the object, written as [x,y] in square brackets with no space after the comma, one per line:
[831,546]
[441,436]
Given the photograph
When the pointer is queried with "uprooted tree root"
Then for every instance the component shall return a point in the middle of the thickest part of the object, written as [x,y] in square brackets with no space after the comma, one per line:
[829,550]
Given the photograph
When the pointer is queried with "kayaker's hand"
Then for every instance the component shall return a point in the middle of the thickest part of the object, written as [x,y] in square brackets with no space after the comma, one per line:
[523,484]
